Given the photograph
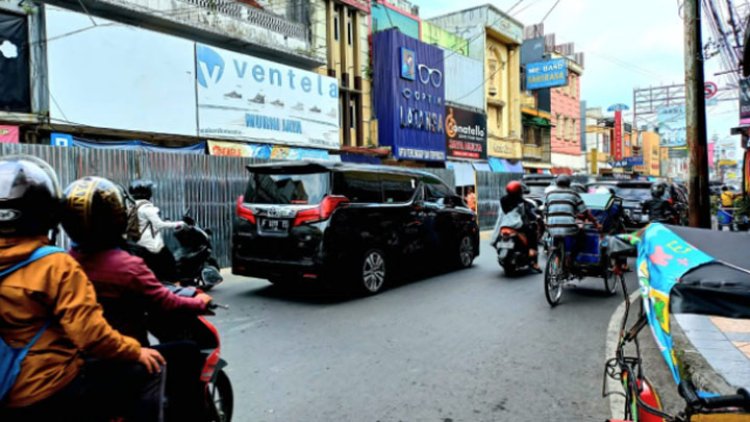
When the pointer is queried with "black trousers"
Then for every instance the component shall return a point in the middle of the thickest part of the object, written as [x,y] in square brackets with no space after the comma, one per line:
[184,389]
[101,391]
[162,264]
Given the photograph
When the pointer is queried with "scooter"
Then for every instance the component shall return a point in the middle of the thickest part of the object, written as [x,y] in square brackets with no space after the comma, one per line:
[192,251]
[512,251]
[218,398]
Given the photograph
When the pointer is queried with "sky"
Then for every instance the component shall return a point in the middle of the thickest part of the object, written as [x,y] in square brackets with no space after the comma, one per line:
[627,44]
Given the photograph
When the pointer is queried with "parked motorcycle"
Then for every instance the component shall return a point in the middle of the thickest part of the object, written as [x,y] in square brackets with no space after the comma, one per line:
[219,398]
[192,251]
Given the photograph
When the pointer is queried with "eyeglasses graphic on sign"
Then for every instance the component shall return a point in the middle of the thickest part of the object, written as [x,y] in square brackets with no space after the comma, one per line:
[431,76]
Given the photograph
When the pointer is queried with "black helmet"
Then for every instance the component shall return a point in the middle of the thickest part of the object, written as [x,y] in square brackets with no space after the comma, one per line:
[563,181]
[29,196]
[657,190]
[95,216]
[141,189]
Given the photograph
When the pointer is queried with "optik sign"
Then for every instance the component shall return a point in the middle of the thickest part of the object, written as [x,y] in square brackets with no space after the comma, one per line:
[409,96]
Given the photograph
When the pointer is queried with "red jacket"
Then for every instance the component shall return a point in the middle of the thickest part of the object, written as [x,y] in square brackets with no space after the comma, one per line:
[127,289]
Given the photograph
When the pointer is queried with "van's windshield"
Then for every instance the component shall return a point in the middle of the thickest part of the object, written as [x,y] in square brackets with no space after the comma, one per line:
[293,189]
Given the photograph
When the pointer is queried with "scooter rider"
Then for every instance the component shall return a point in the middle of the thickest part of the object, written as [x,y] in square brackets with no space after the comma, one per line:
[50,306]
[514,200]
[148,233]
[657,208]
[95,218]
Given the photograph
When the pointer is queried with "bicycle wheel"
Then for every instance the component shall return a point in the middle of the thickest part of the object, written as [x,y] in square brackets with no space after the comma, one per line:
[611,280]
[553,273]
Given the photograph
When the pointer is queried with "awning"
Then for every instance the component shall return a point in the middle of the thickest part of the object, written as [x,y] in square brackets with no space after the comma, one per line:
[536,121]
[463,172]
[501,165]
[130,145]
[481,166]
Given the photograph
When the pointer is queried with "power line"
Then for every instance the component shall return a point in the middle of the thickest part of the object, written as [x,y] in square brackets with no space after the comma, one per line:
[550,11]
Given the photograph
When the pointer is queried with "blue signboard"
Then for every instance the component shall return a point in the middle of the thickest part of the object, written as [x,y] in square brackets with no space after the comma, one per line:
[409,96]
[546,74]
[628,162]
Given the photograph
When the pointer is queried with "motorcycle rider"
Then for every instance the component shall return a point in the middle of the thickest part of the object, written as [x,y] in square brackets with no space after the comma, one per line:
[51,300]
[563,206]
[657,208]
[514,200]
[95,218]
[149,231]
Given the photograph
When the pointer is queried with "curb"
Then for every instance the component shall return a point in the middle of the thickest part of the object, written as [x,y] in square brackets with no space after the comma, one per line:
[616,401]
[695,366]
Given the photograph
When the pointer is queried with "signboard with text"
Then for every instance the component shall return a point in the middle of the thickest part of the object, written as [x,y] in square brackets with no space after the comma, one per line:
[465,134]
[672,125]
[617,139]
[546,74]
[745,101]
[409,96]
[245,98]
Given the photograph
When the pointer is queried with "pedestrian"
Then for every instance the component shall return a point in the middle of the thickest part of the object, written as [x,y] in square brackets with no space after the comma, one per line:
[471,199]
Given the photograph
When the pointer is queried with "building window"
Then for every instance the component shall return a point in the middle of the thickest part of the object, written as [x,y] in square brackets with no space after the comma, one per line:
[349,28]
[574,131]
[336,11]
[352,114]
[493,72]
[559,127]
[499,120]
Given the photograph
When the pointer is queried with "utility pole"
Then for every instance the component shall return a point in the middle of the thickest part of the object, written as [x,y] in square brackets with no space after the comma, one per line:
[695,114]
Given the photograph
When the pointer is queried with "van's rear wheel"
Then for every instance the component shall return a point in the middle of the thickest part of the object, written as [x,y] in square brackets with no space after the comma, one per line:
[373,272]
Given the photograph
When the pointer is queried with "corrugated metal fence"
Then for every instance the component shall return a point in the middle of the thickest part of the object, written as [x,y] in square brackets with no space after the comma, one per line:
[206,185]
[490,188]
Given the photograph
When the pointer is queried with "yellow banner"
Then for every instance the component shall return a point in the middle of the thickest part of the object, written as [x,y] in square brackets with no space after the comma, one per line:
[229,149]
[504,148]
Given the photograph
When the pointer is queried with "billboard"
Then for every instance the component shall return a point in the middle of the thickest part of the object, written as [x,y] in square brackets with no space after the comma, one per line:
[672,126]
[465,134]
[410,111]
[245,98]
[15,92]
[464,81]
[546,74]
[118,76]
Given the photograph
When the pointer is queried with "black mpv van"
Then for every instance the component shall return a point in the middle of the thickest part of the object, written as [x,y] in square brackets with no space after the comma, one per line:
[350,225]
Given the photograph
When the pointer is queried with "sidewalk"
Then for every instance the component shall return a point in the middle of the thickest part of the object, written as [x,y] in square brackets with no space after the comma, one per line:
[723,343]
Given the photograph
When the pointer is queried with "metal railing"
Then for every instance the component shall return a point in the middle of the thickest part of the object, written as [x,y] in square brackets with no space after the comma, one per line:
[254,16]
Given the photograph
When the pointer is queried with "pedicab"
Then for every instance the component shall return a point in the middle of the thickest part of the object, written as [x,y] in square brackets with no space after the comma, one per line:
[680,270]
[565,266]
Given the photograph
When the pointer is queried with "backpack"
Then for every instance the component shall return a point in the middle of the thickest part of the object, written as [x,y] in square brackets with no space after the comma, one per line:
[133,231]
[11,358]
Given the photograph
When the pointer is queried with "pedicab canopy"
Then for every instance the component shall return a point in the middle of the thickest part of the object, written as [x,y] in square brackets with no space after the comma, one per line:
[687,270]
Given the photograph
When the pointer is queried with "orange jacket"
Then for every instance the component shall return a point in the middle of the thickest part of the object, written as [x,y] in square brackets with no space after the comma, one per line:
[53,289]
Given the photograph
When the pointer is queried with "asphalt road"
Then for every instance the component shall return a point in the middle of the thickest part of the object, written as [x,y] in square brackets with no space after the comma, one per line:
[470,345]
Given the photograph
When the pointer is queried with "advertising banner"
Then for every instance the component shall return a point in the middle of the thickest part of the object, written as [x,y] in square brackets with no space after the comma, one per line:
[465,134]
[131,78]
[8,134]
[15,93]
[546,74]
[409,96]
[617,138]
[464,81]
[237,149]
[672,125]
[245,98]
[745,101]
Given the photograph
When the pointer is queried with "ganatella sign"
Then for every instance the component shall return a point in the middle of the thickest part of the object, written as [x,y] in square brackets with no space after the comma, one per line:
[410,96]
[245,98]
[546,74]
[465,134]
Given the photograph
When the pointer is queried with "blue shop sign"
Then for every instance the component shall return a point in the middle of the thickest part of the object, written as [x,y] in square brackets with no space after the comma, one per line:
[546,74]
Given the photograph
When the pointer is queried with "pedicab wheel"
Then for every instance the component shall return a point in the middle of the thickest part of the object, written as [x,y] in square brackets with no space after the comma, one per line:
[221,398]
[610,281]
[553,278]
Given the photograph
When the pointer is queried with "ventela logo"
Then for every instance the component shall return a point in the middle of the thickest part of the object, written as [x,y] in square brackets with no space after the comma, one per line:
[210,66]
[9,215]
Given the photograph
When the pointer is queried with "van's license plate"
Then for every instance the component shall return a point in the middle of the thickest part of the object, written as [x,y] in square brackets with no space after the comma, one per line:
[505,245]
[269,225]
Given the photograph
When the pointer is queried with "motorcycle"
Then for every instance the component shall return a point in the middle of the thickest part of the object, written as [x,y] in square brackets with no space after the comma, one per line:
[192,251]
[219,398]
[511,244]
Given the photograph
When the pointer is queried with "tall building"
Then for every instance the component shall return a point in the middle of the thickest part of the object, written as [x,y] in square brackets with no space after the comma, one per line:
[495,39]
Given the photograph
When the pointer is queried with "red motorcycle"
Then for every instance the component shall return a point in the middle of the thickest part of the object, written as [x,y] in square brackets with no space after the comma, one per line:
[219,399]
